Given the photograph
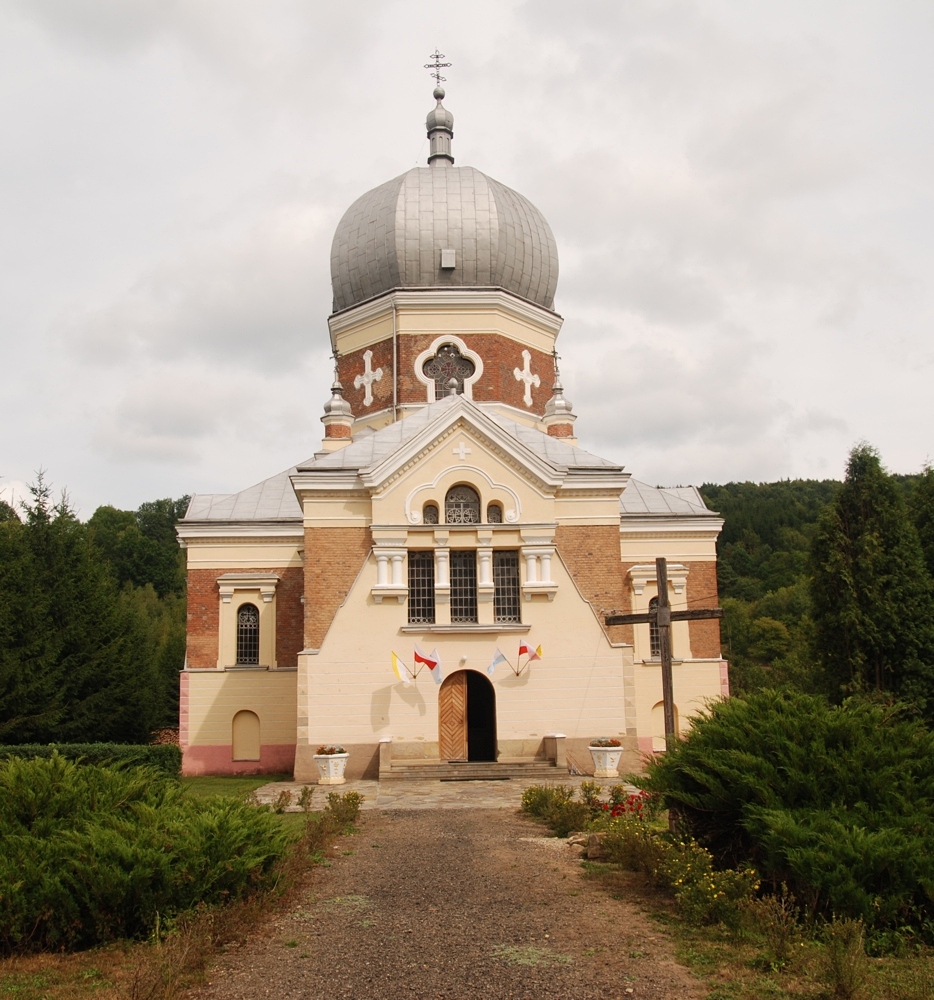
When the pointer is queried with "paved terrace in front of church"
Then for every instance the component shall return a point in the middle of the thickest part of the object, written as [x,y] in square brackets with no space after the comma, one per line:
[421,794]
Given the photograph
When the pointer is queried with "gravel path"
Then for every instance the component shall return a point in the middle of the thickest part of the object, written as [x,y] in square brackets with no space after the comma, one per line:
[456,905]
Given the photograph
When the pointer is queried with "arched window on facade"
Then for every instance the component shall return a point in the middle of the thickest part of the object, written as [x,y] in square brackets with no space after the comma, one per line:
[430,513]
[448,364]
[655,646]
[462,505]
[247,634]
[494,514]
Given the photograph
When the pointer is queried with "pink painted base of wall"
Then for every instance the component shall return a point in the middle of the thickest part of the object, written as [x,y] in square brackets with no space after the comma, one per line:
[276,758]
[724,679]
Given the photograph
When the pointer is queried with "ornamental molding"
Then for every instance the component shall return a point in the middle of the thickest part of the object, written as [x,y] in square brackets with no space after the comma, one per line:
[368,377]
[226,532]
[489,434]
[525,376]
[433,299]
[263,583]
[645,573]
[413,508]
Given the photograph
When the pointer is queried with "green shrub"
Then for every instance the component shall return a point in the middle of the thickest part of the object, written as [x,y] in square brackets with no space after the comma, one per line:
[344,808]
[845,956]
[704,895]
[166,758]
[835,802]
[91,854]
[538,800]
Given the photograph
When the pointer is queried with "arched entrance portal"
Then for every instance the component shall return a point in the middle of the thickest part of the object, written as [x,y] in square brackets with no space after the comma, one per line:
[467,717]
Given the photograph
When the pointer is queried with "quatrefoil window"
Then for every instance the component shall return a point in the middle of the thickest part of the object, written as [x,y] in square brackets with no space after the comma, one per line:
[448,364]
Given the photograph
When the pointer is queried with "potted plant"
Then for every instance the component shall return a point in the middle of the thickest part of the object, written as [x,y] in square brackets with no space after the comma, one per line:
[606,751]
[331,760]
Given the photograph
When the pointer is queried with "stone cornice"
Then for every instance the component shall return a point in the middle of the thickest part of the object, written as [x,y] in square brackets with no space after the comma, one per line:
[216,532]
[431,299]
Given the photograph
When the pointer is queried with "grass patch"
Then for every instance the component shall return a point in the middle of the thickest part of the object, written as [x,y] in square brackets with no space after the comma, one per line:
[528,955]
[740,965]
[236,787]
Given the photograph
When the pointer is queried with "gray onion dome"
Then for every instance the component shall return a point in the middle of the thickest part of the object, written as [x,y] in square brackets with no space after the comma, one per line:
[393,236]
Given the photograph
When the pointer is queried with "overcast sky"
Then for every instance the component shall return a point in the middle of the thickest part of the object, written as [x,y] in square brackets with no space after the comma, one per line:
[741,194]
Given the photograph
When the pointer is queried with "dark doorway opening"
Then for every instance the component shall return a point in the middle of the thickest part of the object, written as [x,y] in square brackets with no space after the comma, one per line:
[481,718]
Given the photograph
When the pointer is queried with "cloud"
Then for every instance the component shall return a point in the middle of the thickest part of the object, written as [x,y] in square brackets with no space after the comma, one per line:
[244,300]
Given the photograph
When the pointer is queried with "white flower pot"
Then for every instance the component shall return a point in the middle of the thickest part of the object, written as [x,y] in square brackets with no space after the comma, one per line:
[606,761]
[331,768]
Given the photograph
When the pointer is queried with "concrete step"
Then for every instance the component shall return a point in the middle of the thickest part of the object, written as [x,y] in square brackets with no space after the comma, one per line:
[473,771]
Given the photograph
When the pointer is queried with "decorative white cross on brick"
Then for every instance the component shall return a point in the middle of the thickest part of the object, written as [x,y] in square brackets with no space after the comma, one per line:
[462,451]
[368,378]
[525,375]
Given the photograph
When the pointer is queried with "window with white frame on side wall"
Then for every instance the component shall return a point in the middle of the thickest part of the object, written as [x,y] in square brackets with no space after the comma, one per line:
[247,620]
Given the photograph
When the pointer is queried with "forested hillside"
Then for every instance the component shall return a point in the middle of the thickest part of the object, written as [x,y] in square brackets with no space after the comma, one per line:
[92,621]
[766,565]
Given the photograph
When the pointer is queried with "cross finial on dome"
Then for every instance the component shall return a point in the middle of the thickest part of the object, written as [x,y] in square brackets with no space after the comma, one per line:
[437,66]
[440,122]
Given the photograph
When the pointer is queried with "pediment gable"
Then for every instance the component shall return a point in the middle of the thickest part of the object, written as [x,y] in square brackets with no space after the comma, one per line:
[377,459]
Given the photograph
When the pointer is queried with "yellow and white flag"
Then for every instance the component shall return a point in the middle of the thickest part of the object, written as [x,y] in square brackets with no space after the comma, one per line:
[401,670]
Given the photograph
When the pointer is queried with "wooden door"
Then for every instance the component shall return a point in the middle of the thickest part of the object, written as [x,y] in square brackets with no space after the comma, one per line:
[452,717]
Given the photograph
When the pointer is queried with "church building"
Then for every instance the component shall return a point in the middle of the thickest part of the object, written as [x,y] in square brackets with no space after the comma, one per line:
[431,585]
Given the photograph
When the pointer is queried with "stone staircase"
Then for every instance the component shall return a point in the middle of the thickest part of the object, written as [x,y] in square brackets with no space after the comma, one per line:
[530,771]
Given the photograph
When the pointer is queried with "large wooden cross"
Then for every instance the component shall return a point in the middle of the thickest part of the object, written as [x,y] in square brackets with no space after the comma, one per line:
[663,616]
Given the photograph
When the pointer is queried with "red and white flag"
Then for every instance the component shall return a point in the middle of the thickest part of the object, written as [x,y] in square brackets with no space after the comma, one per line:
[432,661]
[526,650]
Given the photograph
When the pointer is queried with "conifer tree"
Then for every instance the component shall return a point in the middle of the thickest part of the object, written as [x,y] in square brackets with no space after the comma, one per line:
[922,513]
[873,605]
[74,658]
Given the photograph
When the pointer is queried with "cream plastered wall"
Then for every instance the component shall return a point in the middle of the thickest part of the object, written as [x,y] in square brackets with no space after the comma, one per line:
[215,697]
[254,553]
[695,682]
[676,547]
[445,312]
[347,692]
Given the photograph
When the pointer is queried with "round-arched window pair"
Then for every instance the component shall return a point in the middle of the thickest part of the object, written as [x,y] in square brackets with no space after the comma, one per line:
[462,506]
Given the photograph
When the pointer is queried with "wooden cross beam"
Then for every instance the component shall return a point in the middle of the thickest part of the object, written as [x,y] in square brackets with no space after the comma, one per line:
[663,616]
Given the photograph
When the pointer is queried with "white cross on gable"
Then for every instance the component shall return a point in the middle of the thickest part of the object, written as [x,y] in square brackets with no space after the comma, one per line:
[525,375]
[462,451]
[367,378]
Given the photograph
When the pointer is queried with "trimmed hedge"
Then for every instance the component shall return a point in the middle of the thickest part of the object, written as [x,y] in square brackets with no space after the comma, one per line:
[93,854]
[835,802]
[166,758]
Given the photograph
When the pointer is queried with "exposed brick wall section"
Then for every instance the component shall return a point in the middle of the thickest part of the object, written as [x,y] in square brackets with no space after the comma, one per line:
[337,431]
[702,593]
[204,615]
[203,618]
[349,366]
[501,356]
[290,615]
[591,554]
[333,558]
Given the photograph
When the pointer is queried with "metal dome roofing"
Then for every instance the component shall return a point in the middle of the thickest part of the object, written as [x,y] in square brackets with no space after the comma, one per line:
[392,237]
